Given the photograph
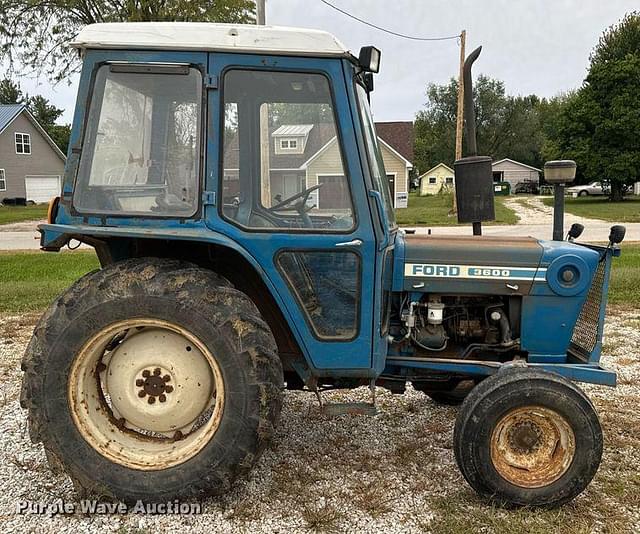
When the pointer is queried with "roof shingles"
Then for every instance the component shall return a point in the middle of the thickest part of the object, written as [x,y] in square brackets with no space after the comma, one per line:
[398,135]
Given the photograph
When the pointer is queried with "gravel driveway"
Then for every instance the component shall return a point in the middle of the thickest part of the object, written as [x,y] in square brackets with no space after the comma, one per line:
[394,472]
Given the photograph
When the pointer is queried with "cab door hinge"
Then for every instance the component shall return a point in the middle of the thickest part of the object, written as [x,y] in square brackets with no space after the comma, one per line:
[209,198]
[211,81]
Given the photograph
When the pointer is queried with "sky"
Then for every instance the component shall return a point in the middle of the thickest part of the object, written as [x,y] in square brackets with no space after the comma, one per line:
[533,46]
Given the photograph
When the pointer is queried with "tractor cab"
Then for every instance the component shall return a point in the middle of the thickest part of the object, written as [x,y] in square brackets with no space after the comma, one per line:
[257,139]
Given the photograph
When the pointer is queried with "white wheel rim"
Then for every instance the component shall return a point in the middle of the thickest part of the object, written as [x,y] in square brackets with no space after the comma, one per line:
[152,401]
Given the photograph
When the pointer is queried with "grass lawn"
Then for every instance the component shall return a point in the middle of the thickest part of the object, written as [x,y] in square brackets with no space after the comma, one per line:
[625,277]
[601,208]
[31,280]
[14,214]
[434,210]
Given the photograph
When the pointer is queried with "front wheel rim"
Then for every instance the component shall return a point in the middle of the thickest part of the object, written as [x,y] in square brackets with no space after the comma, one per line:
[146,394]
[532,446]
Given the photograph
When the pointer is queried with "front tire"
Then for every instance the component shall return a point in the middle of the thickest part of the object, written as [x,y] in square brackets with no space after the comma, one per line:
[583,193]
[154,380]
[526,437]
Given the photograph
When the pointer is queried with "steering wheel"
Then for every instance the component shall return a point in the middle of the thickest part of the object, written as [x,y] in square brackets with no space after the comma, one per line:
[300,206]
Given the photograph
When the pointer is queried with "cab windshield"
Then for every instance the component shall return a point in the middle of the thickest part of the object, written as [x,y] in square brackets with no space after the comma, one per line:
[376,166]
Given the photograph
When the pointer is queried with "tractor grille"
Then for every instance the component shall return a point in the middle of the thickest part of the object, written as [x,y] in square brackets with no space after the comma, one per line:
[585,333]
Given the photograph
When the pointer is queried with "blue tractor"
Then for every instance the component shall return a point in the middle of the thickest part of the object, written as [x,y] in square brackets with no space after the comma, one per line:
[230,181]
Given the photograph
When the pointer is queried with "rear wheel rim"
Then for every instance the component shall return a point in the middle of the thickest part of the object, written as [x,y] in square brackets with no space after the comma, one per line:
[532,446]
[146,394]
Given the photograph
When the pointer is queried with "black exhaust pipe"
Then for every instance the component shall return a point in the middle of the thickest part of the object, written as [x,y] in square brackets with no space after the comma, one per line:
[469,109]
[474,178]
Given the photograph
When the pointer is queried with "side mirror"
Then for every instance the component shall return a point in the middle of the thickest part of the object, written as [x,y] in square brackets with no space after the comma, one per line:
[560,171]
[575,231]
[617,234]
[368,82]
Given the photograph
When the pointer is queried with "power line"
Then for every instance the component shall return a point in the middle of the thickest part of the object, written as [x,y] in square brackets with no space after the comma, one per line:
[413,38]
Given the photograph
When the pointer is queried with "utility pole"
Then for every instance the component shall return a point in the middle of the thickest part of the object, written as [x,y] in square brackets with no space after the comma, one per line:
[265,142]
[460,115]
[260,12]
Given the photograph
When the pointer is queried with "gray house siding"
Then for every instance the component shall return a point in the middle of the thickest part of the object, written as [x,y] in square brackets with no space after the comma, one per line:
[515,173]
[43,160]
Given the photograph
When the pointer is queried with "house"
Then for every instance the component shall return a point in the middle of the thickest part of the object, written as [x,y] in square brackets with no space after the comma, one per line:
[304,155]
[31,164]
[435,179]
[514,172]
[396,145]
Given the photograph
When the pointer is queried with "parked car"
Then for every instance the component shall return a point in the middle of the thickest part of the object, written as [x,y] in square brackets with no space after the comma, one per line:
[532,188]
[593,188]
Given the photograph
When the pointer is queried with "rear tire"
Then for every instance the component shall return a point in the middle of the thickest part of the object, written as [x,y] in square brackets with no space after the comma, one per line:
[526,437]
[226,346]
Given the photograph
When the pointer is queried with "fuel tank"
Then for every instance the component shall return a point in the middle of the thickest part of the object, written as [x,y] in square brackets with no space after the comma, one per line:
[472,264]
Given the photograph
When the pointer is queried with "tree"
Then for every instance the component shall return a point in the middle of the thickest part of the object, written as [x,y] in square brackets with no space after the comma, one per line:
[44,112]
[599,125]
[507,126]
[35,33]
[10,92]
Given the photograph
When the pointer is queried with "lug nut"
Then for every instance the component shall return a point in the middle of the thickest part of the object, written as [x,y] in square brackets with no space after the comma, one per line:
[168,389]
[146,373]
[166,378]
[157,371]
[162,397]
[139,382]
[141,393]
[151,400]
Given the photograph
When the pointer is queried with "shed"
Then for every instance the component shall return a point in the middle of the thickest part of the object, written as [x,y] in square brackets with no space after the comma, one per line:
[514,172]
[435,179]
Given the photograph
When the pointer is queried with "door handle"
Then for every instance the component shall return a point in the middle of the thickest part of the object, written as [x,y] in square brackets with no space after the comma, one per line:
[354,243]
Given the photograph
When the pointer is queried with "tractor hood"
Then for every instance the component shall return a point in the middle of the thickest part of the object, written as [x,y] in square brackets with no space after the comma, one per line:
[471,264]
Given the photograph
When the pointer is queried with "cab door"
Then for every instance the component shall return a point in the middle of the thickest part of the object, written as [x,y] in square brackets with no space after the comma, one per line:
[290,190]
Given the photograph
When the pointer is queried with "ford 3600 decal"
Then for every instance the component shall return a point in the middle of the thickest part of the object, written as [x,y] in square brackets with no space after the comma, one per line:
[484,272]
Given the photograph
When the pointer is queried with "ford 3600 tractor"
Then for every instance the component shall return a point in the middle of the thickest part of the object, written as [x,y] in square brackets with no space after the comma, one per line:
[231,183]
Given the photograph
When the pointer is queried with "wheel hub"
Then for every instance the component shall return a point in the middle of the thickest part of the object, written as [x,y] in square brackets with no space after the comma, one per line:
[157,381]
[525,437]
[154,384]
[532,446]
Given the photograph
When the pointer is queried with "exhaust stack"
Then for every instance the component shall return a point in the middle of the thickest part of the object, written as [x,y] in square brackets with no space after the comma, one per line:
[559,173]
[474,177]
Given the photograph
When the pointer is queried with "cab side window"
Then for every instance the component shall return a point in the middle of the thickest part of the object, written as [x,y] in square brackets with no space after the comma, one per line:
[282,162]
[141,151]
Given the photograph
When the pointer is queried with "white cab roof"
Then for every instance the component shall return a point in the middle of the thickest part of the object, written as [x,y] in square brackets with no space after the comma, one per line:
[209,36]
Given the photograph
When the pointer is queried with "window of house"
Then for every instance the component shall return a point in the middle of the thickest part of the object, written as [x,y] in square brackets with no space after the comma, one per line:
[432,179]
[449,179]
[3,181]
[23,143]
[288,144]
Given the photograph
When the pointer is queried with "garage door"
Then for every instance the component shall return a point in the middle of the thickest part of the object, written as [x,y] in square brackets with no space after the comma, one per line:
[42,188]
